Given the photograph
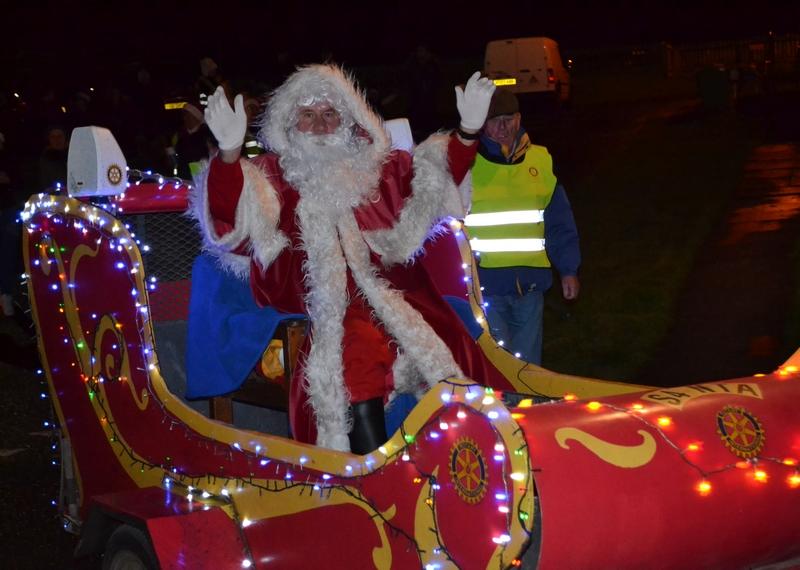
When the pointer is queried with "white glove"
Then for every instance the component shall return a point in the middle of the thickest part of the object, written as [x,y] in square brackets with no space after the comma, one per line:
[473,101]
[228,125]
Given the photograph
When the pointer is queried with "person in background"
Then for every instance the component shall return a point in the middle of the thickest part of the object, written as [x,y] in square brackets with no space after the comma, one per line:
[520,225]
[209,79]
[192,143]
[253,109]
[52,167]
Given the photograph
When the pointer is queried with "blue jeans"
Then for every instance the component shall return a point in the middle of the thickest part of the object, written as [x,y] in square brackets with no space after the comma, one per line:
[517,320]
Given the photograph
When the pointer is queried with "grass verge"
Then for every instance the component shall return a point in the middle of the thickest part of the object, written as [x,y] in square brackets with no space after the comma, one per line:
[644,205]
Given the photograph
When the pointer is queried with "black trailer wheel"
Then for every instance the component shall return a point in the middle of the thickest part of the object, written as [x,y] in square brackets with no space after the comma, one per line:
[128,548]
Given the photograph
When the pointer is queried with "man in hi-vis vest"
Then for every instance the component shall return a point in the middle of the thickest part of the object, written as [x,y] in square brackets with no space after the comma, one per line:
[520,225]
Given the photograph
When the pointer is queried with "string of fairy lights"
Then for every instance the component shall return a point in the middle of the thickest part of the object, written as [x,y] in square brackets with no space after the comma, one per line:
[283,477]
[476,290]
[286,474]
[703,486]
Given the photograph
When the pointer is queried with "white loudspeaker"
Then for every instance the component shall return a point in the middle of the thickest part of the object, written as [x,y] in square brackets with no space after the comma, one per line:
[400,132]
[95,164]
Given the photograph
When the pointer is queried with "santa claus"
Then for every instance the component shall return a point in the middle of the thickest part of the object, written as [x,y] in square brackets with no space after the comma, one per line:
[327,224]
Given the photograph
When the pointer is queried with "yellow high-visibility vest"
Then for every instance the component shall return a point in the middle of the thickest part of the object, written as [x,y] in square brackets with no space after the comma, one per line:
[506,221]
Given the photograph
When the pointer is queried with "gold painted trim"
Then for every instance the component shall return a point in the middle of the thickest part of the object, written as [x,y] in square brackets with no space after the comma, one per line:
[625,456]
[528,378]
[247,502]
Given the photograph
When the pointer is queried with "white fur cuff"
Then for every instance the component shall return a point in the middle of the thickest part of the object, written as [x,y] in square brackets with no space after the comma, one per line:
[434,196]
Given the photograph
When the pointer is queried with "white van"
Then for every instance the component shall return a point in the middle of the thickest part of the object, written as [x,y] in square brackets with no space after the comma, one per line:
[527,65]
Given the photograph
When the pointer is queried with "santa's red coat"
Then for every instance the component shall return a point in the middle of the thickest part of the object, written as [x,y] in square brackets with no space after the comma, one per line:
[281,285]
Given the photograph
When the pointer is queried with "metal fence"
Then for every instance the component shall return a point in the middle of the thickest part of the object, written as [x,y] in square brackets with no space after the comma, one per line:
[173,242]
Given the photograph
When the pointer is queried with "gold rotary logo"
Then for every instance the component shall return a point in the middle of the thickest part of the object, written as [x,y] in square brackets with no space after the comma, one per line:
[114,174]
[468,470]
[741,432]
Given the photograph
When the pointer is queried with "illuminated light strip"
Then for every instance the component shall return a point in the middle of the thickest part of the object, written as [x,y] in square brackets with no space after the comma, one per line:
[174,105]
[498,245]
[506,81]
[505,218]
[505,540]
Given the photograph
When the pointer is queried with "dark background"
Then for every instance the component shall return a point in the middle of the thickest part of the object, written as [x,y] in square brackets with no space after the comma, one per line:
[80,42]
[72,45]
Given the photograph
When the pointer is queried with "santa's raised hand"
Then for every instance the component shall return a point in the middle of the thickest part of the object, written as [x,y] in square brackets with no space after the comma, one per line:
[473,101]
[228,124]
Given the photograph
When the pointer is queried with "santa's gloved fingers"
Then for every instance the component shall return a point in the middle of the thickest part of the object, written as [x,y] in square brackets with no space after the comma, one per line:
[228,124]
[473,101]
[459,96]
[486,84]
[238,105]
[212,105]
[481,85]
[221,104]
[213,100]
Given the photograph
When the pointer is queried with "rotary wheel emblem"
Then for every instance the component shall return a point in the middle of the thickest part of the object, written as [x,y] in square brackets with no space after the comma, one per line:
[741,431]
[533,171]
[468,470]
[114,174]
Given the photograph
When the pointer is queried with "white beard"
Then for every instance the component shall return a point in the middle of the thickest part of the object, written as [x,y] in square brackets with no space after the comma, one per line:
[335,171]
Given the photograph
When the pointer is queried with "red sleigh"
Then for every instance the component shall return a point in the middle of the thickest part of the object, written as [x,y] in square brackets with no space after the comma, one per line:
[595,475]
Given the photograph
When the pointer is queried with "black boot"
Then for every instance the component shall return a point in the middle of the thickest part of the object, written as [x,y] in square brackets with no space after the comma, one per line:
[369,428]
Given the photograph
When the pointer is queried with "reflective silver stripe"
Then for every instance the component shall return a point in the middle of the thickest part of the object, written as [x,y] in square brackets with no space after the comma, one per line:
[505,218]
[497,245]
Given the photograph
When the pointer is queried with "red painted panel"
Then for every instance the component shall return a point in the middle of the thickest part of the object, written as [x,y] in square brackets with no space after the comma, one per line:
[149,197]
[468,495]
[598,515]
[183,534]
[143,504]
[202,540]
[342,536]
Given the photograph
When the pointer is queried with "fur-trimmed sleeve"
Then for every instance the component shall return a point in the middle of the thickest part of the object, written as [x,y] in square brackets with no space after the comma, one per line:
[434,196]
[255,225]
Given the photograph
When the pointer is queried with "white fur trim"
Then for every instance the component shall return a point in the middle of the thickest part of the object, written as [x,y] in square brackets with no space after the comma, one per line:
[434,196]
[332,246]
[257,216]
[407,379]
[260,209]
[428,352]
[218,246]
[322,82]
[326,299]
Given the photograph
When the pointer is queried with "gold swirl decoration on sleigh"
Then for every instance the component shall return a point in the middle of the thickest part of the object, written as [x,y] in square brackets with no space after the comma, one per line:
[95,364]
[242,499]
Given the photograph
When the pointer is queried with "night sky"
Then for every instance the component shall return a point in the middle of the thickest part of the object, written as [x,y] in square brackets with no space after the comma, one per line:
[76,41]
